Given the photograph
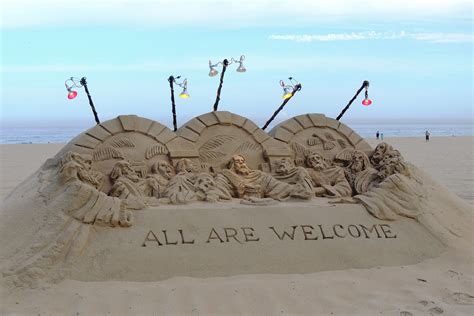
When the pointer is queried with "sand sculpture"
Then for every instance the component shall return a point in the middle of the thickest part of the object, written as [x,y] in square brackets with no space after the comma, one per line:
[104,175]
[220,156]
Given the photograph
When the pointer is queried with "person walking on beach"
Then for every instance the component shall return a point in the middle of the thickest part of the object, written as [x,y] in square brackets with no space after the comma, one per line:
[377,135]
[381,136]
[427,136]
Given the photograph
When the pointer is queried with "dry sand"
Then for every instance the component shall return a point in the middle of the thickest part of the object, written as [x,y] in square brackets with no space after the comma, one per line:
[439,286]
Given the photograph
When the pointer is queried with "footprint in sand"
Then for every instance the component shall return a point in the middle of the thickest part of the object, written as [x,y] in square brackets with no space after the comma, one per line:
[459,298]
[428,306]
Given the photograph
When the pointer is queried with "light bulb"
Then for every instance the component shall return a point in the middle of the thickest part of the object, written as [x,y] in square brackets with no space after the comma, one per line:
[366,102]
[241,68]
[213,72]
[184,94]
[72,94]
[287,93]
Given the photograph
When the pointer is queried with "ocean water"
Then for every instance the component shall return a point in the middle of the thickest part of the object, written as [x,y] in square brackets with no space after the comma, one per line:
[40,134]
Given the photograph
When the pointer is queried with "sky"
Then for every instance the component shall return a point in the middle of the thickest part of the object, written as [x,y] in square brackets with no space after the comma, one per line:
[416,54]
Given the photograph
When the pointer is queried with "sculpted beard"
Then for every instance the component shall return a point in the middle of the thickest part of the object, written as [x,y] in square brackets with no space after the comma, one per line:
[356,166]
[242,169]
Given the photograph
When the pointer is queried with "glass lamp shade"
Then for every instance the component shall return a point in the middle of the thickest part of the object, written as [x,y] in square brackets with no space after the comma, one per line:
[184,94]
[241,68]
[72,94]
[366,102]
[287,93]
[213,72]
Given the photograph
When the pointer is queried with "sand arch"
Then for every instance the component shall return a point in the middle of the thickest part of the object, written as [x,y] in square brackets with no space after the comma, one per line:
[219,135]
[139,140]
[316,132]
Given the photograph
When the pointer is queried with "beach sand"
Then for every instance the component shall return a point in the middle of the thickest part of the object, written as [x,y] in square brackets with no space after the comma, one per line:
[439,286]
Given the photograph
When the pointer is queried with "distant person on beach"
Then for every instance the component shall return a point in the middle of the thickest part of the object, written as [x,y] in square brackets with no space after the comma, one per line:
[427,136]
[381,136]
[377,135]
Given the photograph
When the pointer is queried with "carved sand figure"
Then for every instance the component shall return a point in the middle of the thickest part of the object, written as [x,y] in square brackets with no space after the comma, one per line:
[242,182]
[76,166]
[162,172]
[392,163]
[181,188]
[297,176]
[360,173]
[378,154]
[206,189]
[128,186]
[327,180]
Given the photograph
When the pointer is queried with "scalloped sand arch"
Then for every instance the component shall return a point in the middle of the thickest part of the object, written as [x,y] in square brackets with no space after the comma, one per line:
[139,140]
[219,135]
[316,132]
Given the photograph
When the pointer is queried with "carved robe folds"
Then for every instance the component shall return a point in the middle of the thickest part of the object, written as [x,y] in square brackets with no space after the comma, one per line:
[332,180]
[254,184]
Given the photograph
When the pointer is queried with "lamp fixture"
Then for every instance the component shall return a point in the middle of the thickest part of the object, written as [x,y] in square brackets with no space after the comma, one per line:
[70,83]
[213,72]
[184,95]
[289,91]
[212,67]
[73,82]
[365,102]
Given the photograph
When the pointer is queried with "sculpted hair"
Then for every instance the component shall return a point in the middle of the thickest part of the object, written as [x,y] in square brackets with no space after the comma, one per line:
[315,153]
[231,163]
[117,170]
[365,159]
[155,167]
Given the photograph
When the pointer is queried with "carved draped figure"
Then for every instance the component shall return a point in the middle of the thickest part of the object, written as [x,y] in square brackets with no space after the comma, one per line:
[181,189]
[254,184]
[301,181]
[332,180]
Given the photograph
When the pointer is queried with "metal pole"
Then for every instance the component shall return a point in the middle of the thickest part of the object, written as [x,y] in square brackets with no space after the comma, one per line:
[225,63]
[296,89]
[84,84]
[173,105]
[364,84]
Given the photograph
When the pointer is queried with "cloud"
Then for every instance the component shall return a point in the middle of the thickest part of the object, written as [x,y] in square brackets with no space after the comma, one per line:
[372,35]
[221,13]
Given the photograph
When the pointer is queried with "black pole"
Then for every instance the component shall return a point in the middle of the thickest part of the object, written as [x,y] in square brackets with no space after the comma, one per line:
[173,105]
[295,89]
[225,63]
[84,84]
[364,84]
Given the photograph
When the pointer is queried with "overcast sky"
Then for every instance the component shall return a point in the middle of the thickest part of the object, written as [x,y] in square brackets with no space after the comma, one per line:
[417,55]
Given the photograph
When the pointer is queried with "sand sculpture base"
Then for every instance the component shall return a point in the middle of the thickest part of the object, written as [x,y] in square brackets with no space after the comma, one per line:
[228,239]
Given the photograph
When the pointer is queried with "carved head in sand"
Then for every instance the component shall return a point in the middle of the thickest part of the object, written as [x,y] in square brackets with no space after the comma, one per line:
[359,162]
[205,182]
[83,160]
[284,166]
[123,169]
[316,161]
[185,165]
[163,168]
[238,165]
[392,163]
[379,152]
